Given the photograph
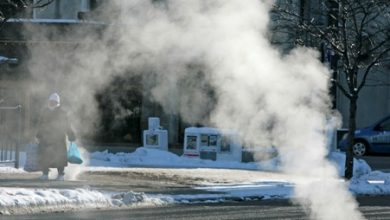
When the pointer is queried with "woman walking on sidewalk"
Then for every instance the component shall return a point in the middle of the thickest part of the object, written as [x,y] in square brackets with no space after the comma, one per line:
[53,128]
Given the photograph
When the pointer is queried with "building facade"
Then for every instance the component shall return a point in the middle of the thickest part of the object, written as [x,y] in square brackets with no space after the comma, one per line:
[373,101]
[63,15]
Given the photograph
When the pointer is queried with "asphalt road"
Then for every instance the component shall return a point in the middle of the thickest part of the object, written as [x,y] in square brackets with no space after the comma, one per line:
[371,207]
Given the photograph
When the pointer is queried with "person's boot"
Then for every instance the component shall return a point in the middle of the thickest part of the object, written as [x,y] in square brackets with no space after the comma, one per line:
[60,177]
[44,177]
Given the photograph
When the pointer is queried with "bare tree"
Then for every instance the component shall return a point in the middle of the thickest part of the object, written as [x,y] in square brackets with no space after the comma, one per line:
[11,8]
[357,33]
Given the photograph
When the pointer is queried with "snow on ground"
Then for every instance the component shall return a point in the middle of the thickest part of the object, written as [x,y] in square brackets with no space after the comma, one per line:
[16,200]
[373,183]
[157,158]
[230,181]
[146,157]
[7,169]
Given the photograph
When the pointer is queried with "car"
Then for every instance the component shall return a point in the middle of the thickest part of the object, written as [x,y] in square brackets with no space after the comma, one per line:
[374,139]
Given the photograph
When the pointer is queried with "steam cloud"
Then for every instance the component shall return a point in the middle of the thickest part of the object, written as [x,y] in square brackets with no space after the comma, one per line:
[211,58]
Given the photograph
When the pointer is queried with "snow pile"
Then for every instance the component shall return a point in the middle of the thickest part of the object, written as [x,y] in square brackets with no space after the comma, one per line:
[263,190]
[360,167]
[142,156]
[7,169]
[157,158]
[25,200]
[21,200]
[139,199]
[374,183]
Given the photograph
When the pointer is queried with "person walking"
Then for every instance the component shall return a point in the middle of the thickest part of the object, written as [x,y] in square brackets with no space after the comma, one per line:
[53,128]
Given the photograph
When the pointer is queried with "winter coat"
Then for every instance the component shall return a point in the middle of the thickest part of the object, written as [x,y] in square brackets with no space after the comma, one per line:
[52,130]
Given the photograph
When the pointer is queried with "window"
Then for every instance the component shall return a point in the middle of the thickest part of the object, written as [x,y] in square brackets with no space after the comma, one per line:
[152,139]
[209,140]
[225,144]
[191,143]
[204,140]
[213,140]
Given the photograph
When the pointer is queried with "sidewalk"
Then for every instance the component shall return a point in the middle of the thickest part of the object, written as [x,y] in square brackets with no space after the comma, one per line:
[120,181]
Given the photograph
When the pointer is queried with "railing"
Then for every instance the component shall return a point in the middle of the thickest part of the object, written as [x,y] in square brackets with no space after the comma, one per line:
[10,134]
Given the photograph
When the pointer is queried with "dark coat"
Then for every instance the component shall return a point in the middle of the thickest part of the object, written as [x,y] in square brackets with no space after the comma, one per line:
[52,130]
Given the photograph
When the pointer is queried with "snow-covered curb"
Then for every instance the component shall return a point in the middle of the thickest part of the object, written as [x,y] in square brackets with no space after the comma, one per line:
[27,201]
[23,200]
[374,183]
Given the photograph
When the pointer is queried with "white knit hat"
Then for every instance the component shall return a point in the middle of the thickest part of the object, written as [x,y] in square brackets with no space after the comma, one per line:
[55,97]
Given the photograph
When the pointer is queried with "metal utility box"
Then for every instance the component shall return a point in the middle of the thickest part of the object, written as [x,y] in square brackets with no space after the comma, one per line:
[155,137]
[212,144]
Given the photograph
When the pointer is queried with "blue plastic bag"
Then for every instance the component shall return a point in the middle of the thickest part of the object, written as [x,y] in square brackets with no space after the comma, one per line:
[74,155]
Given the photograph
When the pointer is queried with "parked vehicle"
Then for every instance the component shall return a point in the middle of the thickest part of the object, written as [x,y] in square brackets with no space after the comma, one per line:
[372,139]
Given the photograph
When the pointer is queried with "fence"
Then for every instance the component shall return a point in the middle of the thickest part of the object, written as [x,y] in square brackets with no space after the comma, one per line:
[10,135]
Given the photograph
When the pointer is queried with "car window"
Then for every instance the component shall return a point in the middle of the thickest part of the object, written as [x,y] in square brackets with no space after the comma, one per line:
[386,125]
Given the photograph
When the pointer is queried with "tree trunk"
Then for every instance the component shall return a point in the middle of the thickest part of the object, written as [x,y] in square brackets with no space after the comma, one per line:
[351,136]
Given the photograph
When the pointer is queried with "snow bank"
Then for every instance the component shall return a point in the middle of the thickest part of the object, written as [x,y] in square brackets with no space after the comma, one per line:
[373,183]
[26,201]
[360,167]
[4,169]
[23,200]
[263,190]
[140,199]
[158,158]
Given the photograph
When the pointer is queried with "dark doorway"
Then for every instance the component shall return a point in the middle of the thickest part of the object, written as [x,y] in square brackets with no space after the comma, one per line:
[120,111]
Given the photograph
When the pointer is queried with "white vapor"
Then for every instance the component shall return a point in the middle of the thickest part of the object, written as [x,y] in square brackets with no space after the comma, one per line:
[211,61]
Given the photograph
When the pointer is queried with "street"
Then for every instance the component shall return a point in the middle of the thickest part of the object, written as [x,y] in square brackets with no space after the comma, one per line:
[372,208]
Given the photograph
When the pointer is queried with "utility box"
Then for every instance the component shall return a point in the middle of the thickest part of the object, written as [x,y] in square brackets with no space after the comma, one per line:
[155,137]
[212,144]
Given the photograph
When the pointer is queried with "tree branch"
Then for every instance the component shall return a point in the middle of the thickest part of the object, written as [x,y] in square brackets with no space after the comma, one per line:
[368,69]
[342,89]
[39,3]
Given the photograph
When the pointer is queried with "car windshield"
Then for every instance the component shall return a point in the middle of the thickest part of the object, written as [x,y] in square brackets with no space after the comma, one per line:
[384,125]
